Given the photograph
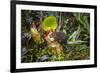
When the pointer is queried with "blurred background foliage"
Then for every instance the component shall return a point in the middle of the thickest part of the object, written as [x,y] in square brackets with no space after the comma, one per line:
[76,27]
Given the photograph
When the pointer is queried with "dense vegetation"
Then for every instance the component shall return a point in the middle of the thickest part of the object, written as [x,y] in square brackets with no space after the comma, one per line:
[73,28]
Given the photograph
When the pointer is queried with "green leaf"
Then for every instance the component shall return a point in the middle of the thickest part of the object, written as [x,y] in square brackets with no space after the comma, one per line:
[77,42]
[75,35]
[83,20]
[50,23]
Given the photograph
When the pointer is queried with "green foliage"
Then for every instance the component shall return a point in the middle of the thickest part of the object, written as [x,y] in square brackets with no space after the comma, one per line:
[76,26]
[83,20]
[75,35]
[50,23]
